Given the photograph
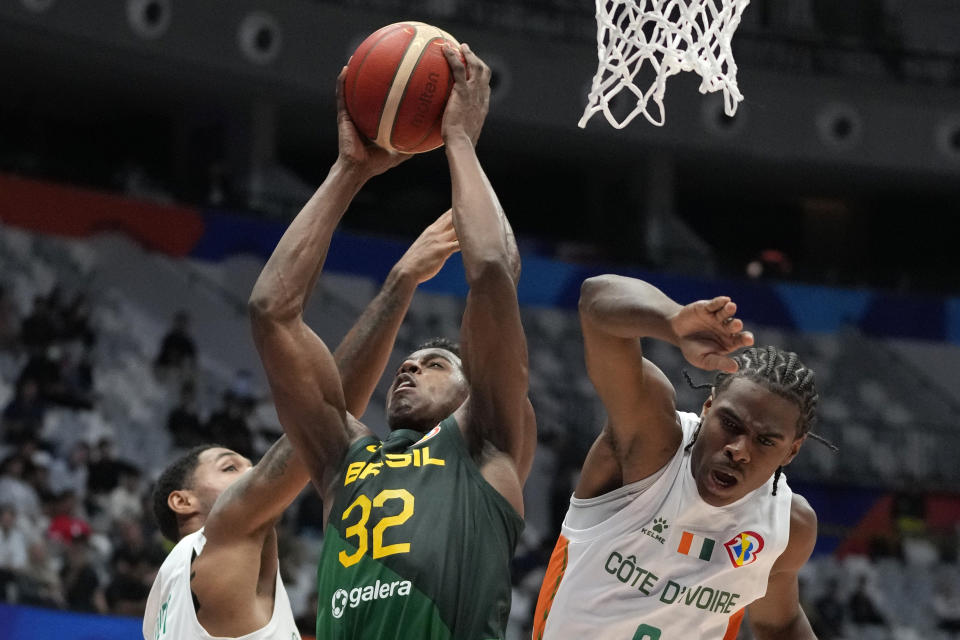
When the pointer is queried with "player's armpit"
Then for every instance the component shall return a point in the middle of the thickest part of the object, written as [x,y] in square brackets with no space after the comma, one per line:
[778,614]
[639,399]
[306,390]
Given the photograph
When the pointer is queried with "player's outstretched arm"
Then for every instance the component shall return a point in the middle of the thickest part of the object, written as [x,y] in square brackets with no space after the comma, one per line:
[615,313]
[778,615]
[301,370]
[492,340]
[364,352]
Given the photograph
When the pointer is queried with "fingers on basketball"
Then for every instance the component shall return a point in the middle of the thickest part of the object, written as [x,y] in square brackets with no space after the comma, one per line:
[341,84]
[456,62]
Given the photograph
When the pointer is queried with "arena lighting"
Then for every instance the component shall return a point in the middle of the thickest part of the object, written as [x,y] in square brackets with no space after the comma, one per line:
[839,126]
[37,6]
[948,137]
[149,18]
[260,37]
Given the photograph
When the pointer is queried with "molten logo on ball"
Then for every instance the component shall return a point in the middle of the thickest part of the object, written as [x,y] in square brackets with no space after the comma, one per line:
[425,101]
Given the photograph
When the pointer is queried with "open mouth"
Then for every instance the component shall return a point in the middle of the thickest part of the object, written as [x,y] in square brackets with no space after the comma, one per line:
[405,383]
[722,479]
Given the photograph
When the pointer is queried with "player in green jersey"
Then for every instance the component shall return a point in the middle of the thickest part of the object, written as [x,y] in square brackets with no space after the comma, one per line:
[420,527]
[232,582]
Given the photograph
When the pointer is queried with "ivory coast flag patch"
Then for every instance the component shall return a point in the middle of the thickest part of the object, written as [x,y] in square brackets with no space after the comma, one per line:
[697,546]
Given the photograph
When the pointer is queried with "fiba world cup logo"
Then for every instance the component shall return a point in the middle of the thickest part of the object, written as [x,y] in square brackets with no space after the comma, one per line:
[339,603]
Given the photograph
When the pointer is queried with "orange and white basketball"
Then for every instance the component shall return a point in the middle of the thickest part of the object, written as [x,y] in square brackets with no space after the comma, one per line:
[397,86]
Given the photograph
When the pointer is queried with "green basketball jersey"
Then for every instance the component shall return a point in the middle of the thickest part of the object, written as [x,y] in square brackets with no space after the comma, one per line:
[418,544]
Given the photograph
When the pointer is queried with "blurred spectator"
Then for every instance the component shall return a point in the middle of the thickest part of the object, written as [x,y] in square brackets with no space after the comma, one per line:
[76,375]
[66,525]
[47,368]
[178,352]
[946,606]
[39,583]
[125,500]
[72,472]
[126,595]
[39,329]
[863,605]
[23,416]
[307,620]
[828,612]
[13,541]
[74,320]
[184,420]
[228,426]
[242,387]
[104,470]
[80,581]
[9,321]
[16,491]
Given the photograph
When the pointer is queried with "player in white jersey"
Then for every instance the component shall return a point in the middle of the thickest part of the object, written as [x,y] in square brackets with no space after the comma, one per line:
[221,580]
[681,522]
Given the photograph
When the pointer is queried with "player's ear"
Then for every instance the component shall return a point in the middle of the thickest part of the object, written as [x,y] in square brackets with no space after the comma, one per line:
[182,501]
[794,450]
[706,406]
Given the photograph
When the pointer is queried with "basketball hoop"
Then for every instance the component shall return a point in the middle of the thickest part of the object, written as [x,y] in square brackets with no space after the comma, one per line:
[671,36]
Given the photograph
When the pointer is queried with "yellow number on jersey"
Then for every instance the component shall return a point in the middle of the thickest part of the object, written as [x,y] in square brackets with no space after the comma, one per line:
[360,528]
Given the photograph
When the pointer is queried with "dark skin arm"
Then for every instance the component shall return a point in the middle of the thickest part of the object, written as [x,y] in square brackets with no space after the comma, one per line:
[234,578]
[777,615]
[302,372]
[642,431]
[243,517]
[364,352]
[497,419]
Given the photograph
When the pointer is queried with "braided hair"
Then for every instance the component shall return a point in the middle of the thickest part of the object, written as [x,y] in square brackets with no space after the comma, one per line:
[782,373]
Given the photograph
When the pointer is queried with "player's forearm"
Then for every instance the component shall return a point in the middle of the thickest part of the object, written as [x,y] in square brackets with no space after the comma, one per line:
[627,308]
[476,212]
[364,352]
[261,495]
[285,284]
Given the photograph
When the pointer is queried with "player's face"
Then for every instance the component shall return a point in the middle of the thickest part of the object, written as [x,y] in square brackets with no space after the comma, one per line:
[747,432]
[217,469]
[428,387]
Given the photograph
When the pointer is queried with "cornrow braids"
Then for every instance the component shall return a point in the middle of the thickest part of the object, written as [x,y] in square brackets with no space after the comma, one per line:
[782,373]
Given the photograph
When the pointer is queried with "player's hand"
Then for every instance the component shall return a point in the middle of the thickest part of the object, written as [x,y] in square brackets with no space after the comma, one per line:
[427,255]
[356,152]
[470,98]
[707,331]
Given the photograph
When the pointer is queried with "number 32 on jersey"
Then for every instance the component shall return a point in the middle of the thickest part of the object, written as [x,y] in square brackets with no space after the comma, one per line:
[359,530]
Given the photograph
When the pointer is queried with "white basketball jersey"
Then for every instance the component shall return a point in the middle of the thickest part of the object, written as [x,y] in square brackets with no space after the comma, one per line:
[666,565]
[170,614]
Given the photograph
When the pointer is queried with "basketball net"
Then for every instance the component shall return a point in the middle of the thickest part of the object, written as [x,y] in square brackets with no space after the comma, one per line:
[672,36]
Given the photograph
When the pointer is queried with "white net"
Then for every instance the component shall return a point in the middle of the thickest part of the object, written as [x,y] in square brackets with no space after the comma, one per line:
[670,36]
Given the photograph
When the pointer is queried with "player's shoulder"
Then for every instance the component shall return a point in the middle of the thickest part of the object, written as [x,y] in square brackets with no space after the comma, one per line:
[803,519]
[803,536]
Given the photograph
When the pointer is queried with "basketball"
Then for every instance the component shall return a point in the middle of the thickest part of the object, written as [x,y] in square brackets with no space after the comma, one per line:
[397,86]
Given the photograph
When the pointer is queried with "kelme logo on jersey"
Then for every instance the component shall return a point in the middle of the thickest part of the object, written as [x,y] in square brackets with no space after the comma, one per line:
[656,529]
[343,599]
[743,548]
